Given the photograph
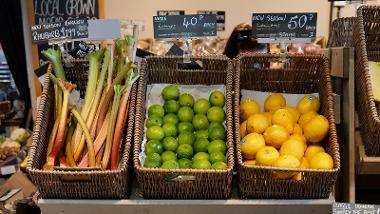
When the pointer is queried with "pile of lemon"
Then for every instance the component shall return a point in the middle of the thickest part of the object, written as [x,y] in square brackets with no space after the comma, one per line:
[284,136]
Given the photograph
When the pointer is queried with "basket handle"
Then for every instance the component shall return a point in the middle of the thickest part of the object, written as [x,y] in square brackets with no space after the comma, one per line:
[72,179]
[180,178]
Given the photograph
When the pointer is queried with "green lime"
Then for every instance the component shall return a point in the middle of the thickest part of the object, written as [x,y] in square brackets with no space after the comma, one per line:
[170,92]
[201,106]
[171,118]
[201,164]
[153,146]
[157,110]
[185,114]
[200,122]
[170,164]
[217,99]
[185,151]
[217,133]
[185,127]
[217,146]
[186,100]
[201,156]
[186,138]
[201,145]
[171,106]
[155,133]
[216,114]
[185,163]
[219,165]
[170,129]
[170,144]
[201,134]
[152,160]
[153,121]
[217,157]
[214,124]
[168,155]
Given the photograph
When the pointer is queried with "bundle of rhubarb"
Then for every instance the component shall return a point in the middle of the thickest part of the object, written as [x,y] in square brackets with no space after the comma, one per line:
[91,137]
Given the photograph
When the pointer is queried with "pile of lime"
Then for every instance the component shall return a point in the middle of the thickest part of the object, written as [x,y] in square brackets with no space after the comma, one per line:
[184,133]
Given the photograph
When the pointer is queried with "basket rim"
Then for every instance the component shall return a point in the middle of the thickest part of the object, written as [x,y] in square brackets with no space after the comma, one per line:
[229,104]
[123,164]
[332,128]
[363,54]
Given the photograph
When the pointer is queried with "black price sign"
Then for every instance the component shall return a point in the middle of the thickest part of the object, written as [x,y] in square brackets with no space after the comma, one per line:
[284,25]
[69,29]
[220,18]
[186,26]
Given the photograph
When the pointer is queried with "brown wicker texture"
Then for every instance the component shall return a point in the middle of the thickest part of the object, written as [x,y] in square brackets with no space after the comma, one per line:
[83,184]
[184,183]
[341,32]
[367,48]
[303,74]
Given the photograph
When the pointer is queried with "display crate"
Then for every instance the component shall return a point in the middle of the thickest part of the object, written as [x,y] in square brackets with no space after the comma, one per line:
[299,75]
[91,183]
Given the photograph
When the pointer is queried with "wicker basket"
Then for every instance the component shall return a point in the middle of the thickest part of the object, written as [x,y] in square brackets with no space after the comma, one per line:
[89,184]
[341,34]
[302,75]
[367,48]
[184,183]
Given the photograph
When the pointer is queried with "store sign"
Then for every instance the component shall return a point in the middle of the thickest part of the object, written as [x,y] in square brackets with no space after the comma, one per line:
[70,29]
[220,18]
[346,208]
[284,25]
[187,26]
[170,12]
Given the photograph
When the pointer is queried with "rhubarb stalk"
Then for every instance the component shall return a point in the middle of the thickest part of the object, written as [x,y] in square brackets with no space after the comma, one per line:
[90,143]
[66,87]
[111,127]
[94,58]
[68,149]
[120,122]
[95,103]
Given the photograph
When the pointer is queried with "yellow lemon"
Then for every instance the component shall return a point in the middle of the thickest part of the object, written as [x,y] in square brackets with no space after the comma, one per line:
[247,108]
[243,129]
[274,102]
[257,123]
[250,144]
[304,165]
[286,161]
[293,147]
[250,162]
[316,129]
[267,155]
[312,150]
[304,118]
[295,113]
[297,129]
[283,118]
[321,160]
[299,138]
[269,116]
[308,103]
[275,135]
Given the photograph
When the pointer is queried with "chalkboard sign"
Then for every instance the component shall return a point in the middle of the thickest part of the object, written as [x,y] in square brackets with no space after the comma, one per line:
[346,208]
[220,18]
[187,26]
[51,11]
[69,29]
[284,25]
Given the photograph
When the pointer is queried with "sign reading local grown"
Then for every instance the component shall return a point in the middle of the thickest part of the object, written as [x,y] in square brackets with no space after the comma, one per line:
[69,29]
[284,25]
[186,26]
